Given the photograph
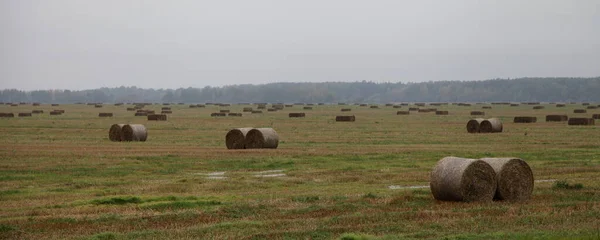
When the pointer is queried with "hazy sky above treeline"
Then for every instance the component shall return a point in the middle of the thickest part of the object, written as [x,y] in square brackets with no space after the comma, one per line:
[74,44]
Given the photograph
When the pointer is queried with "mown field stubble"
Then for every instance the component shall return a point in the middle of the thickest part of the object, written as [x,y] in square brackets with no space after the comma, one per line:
[62,178]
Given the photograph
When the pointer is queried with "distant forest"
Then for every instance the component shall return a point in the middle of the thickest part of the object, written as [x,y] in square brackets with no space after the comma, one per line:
[505,90]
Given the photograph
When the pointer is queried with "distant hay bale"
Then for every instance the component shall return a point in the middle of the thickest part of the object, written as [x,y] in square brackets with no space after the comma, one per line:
[14,105]
[463,179]
[346,109]
[201,105]
[486,107]
[514,178]
[538,107]
[37,111]
[134,132]
[363,105]
[374,106]
[403,113]
[341,103]
[247,109]
[115,132]
[7,115]
[413,109]
[397,106]
[166,112]
[236,138]
[492,125]
[420,104]
[289,105]
[55,112]
[98,106]
[403,104]
[579,111]
[34,104]
[581,121]
[473,125]
[296,115]
[25,114]
[464,104]
[261,106]
[477,113]
[441,112]
[514,104]
[278,106]
[556,118]
[54,104]
[157,117]
[138,114]
[118,104]
[585,104]
[596,116]
[234,114]
[592,107]
[255,112]
[560,105]
[307,108]
[193,106]
[105,114]
[165,109]
[272,110]
[524,119]
[262,138]
[219,114]
[389,104]
[345,118]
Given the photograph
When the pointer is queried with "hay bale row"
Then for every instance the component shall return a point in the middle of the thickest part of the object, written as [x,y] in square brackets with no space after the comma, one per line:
[556,118]
[251,138]
[105,114]
[524,119]
[477,113]
[579,111]
[581,121]
[219,114]
[441,112]
[345,118]
[403,113]
[346,109]
[296,115]
[157,117]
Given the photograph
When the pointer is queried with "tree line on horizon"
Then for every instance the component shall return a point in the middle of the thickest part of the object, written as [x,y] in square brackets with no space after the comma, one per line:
[496,90]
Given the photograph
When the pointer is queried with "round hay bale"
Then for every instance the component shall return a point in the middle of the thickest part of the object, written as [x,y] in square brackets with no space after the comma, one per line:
[262,138]
[514,178]
[134,132]
[473,125]
[236,138]
[463,179]
[492,125]
[115,132]
[596,116]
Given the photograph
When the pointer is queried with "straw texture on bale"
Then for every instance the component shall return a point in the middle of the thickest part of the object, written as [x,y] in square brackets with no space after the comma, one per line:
[236,138]
[579,111]
[403,113]
[492,125]
[157,117]
[473,125]
[556,118]
[581,121]
[296,115]
[346,109]
[463,179]
[262,138]
[524,119]
[441,112]
[134,132]
[477,113]
[115,132]
[345,118]
[105,114]
[514,178]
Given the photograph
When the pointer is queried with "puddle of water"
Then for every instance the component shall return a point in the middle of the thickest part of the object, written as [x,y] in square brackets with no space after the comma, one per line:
[271,175]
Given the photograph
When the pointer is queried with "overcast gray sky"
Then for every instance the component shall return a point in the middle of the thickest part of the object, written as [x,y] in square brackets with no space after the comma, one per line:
[83,44]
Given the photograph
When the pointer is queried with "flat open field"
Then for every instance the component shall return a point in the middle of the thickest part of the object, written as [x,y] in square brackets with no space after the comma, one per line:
[61,178]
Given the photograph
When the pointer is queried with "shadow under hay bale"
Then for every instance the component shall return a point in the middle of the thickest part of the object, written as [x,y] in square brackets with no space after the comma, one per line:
[524,119]
[236,138]
[219,114]
[262,138]
[134,133]
[24,114]
[463,179]
[579,111]
[296,115]
[581,121]
[234,114]
[345,118]
[473,125]
[346,109]
[477,113]
[556,118]
[157,117]
[492,125]
[441,112]
[115,133]
[514,178]
[105,114]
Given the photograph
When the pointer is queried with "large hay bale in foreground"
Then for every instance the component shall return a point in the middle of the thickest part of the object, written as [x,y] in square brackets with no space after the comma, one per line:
[157,117]
[473,125]
[134,132]
[556,118]
[345,118]
[463,179]
[524,119]
[262,138]
[581,121]
[477,113]
[25,114]
[236,138]
[115,132]
[297,115]
[105,114]
[514,178]
[579,111]
[441,112]
[492,125]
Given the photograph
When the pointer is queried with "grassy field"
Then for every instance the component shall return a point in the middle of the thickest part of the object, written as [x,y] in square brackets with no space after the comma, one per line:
[61,178]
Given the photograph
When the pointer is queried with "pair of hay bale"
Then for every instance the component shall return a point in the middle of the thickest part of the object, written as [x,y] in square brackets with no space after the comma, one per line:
[486,179]
[557,118]
[105,114]
[297,115]
[157,117]
[524,119]
[581,121]
[128,133]
[480,125]
[345,118]
[251,138]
